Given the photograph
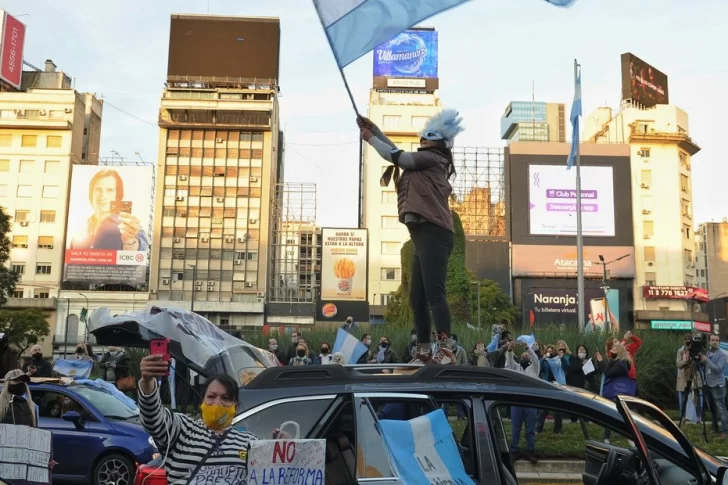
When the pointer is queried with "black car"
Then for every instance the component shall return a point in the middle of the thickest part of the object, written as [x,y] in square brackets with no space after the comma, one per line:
[341,404]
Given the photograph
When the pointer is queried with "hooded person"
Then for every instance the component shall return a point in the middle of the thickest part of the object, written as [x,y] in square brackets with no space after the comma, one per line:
[37,366]
[422,182]
[16,404]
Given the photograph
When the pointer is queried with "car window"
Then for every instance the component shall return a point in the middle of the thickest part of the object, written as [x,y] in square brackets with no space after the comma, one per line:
[306,412]
[54,405]
[459,414]
[108,405]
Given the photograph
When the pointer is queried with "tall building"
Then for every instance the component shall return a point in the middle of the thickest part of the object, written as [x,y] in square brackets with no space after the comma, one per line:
[534,121]
[662,202]
[218,165]
[45,129]
[401,116]
[711,258]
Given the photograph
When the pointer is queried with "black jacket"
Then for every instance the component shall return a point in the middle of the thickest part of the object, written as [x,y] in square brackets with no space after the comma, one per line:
[43,368]
[19,412]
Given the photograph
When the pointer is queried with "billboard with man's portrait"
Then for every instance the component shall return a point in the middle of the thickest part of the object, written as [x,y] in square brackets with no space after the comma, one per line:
[109,215]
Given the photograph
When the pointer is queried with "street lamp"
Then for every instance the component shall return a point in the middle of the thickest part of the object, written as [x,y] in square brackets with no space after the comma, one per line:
[605,286]
[84,316]
[194,279]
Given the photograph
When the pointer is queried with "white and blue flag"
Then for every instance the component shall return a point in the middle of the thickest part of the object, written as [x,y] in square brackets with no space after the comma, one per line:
[78,369]
[575,114]
[349,347]
[561,3]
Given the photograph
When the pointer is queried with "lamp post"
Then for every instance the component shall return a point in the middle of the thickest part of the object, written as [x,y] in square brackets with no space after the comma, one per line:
[605,286]
[194,280]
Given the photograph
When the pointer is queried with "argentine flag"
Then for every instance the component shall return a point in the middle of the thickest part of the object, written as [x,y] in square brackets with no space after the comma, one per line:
[575,114]
[78,369]
[348,346]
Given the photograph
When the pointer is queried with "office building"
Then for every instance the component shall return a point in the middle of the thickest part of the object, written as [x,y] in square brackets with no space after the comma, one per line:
[45,128]
[711,258]
[218,165]
[401,116]
[661,159]
[534,121]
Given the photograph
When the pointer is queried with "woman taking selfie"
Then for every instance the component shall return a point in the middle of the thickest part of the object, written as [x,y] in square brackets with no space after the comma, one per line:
[423,191]
[207,449]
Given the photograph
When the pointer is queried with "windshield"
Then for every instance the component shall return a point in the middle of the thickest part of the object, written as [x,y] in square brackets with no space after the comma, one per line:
[107,404]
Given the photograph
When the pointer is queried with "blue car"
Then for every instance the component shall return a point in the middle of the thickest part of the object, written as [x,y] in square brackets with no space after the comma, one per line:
[97,438]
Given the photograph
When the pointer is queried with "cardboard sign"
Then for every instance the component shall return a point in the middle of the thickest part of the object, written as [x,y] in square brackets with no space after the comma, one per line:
[287,462]
[25,455]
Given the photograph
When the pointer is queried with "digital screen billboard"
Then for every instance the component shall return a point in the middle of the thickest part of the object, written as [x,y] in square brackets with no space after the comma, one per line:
[411,54]
[643,83]
[344,264]
[12,39]
[552,201]
[109,214]
[561,261]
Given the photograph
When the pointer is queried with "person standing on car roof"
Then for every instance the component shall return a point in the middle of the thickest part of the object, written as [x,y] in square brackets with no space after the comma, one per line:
[37,365]
[423,191]
[209,450]
[530,366]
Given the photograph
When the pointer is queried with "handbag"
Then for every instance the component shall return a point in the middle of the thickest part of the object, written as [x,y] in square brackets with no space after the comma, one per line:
[127,383]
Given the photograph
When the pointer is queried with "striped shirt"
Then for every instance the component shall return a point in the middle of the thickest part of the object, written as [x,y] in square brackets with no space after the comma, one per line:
[190,441]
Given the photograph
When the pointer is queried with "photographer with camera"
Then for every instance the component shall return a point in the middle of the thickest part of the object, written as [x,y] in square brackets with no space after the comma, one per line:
[685,375]
[715,362]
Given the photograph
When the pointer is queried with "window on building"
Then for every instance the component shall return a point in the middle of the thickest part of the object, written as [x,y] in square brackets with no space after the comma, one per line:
[390,247]
[391,274]
[43,268]
[389,197]
[45,242]
[53,141]
[25,191]
[29,141]
[702,273]
[20,242]
[686,231]
[4,165]
[3,190]
[18,293]
[52,166]
[384,299]
[650,278]
[644,153]
[685,205]
[22,216]
[50,191]
[390,222]
[391,121]
[650,253]
[688,256]
[646,177]
[47,216]
[684,183]
[419,121]
[648,228]
[27,166]
[18,268]
[41,294]
[6,140]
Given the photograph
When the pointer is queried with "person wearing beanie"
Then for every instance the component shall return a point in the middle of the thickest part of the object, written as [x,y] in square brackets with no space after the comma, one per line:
[422,182]
[42,367]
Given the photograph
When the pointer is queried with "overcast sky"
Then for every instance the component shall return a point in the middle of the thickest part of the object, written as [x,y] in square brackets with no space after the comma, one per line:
[490,53]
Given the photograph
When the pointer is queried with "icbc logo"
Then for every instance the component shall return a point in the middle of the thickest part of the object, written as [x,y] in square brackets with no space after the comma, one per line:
[132,257]
[140,258]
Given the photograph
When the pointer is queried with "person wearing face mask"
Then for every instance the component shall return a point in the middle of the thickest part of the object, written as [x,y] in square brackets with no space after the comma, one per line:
[411,350]
[208,450]
[615,375]
[366,339]
[83,353]
[529,365]
[37,366]
[116,364]
[325,357]
[461,357]
[383,354]
[301,357]
[291,353]
[715,362]
[16,403]
[275,350]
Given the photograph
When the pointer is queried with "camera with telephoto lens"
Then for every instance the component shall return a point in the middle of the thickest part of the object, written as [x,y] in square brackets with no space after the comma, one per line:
[697,347]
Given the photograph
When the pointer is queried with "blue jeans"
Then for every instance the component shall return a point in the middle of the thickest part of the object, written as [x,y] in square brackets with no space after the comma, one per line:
[518,416]
[717,395]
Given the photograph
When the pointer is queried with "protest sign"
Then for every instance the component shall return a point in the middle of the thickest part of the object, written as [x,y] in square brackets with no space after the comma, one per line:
[25,455]
[287,462]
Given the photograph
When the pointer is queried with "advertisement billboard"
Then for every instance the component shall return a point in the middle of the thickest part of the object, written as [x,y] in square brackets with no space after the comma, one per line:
[109,215]
[552,201]
[675,293]
[11,49]
[236,47]
[561,261]
[411,54]
[643,83]
[556,306]
[344,264]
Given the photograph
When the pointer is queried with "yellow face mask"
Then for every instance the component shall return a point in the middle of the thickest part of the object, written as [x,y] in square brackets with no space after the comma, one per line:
[217,417]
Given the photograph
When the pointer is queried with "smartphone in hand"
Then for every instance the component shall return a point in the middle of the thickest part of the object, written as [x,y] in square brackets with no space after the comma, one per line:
[160,347]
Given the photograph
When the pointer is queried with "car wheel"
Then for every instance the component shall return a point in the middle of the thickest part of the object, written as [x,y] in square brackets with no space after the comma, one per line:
[114,470]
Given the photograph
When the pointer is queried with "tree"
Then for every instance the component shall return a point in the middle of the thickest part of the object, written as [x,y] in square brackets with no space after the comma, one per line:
[495,305]
[24,327]
[8,279]
[399,312]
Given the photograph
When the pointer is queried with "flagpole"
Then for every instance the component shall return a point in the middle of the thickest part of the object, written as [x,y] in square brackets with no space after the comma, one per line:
[348,90]
[579,235]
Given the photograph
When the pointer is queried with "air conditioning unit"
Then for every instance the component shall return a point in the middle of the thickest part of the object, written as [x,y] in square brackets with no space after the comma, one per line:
[238,262]
[646,212]
[253,221]
[253,179]
[43,112]
[219,140]
[647,236]
[183,177]
[165,281]
[261,294]
[68,110]
[220,199]
[25,246]
[204,239]
[260,300]
[175,239]
[645,186]
[228,239]
[179,198]
[248,284]
[24,223]
[198,287]
[210,283]
[242,239]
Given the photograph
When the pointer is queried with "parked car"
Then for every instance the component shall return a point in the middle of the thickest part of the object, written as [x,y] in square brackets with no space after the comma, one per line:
[342,404]
[97,438]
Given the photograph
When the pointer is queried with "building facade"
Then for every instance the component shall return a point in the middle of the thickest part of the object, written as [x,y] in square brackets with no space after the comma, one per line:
[401,116]
[45,128]
[534,121]
[711,261]
[661,158]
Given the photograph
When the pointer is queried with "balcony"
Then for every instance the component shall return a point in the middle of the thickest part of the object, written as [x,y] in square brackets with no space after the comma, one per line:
[31,304]
[22,120]
[682,140]
[216,118]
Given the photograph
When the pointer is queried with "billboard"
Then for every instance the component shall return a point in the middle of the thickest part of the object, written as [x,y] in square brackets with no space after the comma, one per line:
[556,306]
[344,264]
[236,47]
[411,54]
[561,261]
[109,215]
[643,83]
[12,38]
[675,293]
[552,201]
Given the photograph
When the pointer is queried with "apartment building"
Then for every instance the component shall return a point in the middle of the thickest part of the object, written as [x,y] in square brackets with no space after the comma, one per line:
[711,258]
[534,121]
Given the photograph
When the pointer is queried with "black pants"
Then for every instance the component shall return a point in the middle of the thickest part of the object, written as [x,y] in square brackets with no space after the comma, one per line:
[433,245]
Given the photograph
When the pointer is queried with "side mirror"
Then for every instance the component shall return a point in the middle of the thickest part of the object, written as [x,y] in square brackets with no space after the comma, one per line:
[75,418]
[722,476]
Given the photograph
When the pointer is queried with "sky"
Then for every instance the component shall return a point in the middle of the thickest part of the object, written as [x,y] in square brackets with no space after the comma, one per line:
[491,52]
